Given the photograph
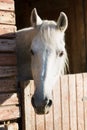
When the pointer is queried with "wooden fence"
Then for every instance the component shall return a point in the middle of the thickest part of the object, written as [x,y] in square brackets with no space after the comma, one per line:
[9,94]
[69,109]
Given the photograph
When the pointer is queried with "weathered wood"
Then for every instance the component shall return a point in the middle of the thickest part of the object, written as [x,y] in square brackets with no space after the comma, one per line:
[7,17]
[4,5]
[69,111]
[85,99]
[7,1]
[26,111]
[40,122]
[80,110]
[8,71]
[72,102]
[8,85]
[9,99]
[12,126]
[7,59]
[57,106]
[49,120]
[9,112]
[65,103]
[7,31]
[7,45]
[33,115]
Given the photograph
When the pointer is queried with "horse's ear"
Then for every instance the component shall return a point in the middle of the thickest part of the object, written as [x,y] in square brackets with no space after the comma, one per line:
[62,22]
[35,19]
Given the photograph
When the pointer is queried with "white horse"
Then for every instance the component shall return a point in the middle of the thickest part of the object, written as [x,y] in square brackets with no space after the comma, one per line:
[42,46]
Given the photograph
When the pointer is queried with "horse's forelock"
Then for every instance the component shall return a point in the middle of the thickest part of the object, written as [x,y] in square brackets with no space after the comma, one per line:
[48,33]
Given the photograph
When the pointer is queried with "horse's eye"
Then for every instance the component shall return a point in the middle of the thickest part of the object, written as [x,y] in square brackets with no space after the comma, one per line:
[32,52]
[61,53]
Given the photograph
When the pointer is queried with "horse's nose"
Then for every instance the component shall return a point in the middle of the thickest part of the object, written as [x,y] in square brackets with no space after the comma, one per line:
[45,103]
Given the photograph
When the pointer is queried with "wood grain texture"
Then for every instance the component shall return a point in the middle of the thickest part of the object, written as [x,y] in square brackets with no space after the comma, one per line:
[65,103]
[8,71]
[69,110]
[85,99]
[8,85]
[57,106]
[80,109]
[72,102]
[7,45]
[8,59]
[9,99]
[7,1]
[12,126]
[7,6]
[9,112]
[7,31]
[7,17]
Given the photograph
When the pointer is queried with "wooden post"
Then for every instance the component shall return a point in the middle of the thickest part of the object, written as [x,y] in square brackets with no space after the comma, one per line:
[12,126]
[26,105]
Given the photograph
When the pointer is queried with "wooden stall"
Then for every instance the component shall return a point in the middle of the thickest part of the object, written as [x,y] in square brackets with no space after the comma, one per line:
[69,109]
[9,92]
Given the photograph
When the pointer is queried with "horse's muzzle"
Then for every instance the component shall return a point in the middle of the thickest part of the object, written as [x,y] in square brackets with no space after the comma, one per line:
[44,107]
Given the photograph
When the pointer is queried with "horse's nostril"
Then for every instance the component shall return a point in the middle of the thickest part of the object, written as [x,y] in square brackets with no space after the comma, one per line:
[49,103]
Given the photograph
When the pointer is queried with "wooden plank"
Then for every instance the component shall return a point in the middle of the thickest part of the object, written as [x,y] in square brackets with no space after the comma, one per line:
[49,120]
[8,59]
[7,1]
[40,122]
[57,107]
[8,71]
[12,126]
[8,85]
[65,103]
[7,45]
[9,99]
[7,17]
[85,99]
[9,112]
[4,5]
[7,31]
[33,115]
[80,110]
[26,108]
[73,110]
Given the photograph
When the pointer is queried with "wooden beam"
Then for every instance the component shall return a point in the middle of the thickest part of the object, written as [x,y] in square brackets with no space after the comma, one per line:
[7,17]
[7,31]
[8,85]
[7,1]
[8,59]
[9,99]
[5,5]
[9,112]
[7,45]
[7,71]
[12,126]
